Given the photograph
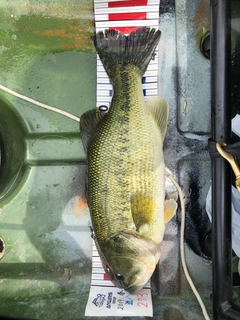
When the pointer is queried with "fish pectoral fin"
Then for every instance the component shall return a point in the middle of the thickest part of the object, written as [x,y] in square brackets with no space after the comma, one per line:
[158,108]
[170,208]
[88,124]
[142,209]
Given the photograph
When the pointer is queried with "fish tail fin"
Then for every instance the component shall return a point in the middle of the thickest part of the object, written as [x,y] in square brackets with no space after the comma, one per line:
[117,50]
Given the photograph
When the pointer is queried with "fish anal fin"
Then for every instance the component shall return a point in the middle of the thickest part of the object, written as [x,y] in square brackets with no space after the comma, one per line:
[170,208]
[88,124]
[142,208]
[158,108]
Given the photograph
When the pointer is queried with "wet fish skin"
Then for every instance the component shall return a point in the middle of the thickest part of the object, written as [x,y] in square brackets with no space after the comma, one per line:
[126,171]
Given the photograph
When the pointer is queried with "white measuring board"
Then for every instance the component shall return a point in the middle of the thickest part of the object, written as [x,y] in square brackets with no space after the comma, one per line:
[125,16]
[107,300]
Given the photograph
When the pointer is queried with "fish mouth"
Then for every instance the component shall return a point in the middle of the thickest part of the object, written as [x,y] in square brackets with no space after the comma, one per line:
[138,280]
[132,287]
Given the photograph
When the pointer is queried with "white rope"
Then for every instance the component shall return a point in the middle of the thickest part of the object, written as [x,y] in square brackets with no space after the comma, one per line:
[182,251]
[40,104]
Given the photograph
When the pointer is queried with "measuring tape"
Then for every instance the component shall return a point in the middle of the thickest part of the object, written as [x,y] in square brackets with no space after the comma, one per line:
[124,16]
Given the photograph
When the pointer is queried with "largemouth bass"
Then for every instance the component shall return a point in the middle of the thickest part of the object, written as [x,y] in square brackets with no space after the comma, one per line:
[126,171]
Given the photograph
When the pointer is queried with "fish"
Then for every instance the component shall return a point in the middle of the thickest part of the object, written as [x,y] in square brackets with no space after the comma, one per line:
[125,162]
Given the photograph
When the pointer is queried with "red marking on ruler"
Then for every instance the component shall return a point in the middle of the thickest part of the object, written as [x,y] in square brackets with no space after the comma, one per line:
[127,16]
[125,30]
[105,277]
[127,3]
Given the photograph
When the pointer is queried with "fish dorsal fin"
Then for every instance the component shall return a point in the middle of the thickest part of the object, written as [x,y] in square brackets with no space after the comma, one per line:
[170,208]
[88,124]
[158,108]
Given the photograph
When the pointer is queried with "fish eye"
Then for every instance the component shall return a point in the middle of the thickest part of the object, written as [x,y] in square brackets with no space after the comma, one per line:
[119,277]
[103,108]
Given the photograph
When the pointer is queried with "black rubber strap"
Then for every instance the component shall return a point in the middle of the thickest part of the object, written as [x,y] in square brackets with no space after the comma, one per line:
[233,149]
